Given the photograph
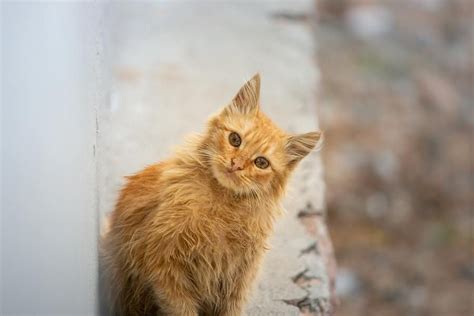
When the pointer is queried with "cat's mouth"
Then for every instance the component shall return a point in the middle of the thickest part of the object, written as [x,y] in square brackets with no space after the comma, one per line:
[227,178]
[231,174]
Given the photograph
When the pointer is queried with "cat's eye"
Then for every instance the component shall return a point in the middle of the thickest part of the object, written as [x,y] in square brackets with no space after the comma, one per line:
[234,139]
[261,163]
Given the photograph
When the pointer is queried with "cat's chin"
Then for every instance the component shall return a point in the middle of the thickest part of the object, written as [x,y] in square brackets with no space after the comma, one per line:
[228,180]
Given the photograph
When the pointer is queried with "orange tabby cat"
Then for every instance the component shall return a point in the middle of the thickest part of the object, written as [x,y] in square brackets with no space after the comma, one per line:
[188,234]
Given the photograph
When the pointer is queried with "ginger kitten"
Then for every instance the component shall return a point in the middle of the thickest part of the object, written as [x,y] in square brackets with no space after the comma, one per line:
[188,234]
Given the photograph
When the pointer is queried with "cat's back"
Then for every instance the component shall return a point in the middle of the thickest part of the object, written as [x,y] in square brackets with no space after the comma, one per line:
[141,190]
[173,185]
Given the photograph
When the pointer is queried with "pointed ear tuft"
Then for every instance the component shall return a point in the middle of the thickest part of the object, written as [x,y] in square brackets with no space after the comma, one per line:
[298,146]
[247,99]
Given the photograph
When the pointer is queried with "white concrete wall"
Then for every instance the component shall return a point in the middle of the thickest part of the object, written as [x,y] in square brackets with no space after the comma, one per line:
[51,87]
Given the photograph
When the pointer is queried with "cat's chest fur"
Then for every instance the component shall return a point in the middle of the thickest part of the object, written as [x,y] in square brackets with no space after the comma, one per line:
[227,220]
[207,220]
[217,236]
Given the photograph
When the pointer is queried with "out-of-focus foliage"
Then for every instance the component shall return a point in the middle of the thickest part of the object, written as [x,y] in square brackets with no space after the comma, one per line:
[397,111]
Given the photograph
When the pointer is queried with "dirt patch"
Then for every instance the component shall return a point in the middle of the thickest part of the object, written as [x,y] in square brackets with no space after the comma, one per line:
[396,108]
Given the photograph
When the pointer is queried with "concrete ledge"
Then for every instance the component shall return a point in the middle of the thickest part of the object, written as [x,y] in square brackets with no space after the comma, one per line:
[176,63]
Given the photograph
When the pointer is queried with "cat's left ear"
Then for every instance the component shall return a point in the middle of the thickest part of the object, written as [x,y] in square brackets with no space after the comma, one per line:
[248,98]
[298,146]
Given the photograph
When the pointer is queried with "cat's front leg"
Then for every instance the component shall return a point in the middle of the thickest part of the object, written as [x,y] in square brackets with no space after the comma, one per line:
[234,303]
[175,300]
[232,307]
[177,306]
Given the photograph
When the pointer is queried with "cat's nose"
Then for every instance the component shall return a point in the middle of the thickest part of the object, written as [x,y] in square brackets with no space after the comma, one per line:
[236,164]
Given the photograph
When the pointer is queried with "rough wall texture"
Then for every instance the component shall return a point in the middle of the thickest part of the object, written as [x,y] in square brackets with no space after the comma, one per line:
[176,63]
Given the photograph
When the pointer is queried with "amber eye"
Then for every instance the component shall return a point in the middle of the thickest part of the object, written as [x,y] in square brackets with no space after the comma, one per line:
[261,163]
[234,139]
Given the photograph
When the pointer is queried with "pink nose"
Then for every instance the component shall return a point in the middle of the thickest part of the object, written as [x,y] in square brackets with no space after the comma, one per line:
[236,164]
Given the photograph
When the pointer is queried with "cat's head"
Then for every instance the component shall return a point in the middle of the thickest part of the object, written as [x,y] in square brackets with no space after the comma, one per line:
[248,153]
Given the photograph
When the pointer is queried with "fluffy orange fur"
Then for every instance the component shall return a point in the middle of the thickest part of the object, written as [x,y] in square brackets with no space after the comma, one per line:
[188,234]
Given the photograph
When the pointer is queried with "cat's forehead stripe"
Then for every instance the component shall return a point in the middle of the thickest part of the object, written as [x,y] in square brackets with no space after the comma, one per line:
[260,136]
[261,145]
[267,147]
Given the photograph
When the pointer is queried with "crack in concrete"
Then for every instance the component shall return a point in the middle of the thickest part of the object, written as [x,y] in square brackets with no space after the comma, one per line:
[311,248]
[311,307]
[308,305]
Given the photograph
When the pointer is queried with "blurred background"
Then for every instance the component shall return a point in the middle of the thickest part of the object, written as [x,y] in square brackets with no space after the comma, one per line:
[396,105]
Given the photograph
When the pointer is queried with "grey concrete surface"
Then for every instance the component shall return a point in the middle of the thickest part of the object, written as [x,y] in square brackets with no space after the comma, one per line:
[173,65]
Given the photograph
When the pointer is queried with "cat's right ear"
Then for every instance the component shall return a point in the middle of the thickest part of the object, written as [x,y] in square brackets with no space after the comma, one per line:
[298,146]
[248,98]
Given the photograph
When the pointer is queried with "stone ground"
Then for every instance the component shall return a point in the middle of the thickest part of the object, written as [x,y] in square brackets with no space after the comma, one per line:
[174,64]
